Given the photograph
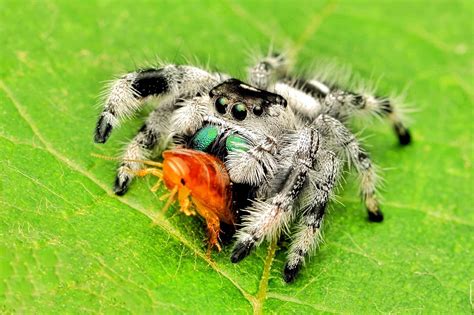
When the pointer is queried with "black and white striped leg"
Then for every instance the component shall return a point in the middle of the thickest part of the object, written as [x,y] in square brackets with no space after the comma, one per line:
[341,104]
[128,93]
[338,135]
[141,147]
[267,70]
[321,183]
[267,218]
[402,132]
[309,235]
[315,88]
[303,102]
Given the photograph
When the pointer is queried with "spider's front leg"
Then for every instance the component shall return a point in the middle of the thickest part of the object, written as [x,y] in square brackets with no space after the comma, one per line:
[268,217]
[141,146]
[314,199]
[128,93]
[183,117]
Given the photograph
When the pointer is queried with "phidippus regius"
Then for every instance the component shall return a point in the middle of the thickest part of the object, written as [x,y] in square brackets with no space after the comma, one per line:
[283,138]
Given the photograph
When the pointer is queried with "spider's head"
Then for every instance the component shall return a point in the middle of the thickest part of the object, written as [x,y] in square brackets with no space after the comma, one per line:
[235,100]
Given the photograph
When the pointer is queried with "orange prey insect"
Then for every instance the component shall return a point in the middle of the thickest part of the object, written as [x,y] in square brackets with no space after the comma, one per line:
[198,178]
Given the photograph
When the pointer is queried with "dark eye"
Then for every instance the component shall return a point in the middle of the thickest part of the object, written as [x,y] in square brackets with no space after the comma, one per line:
[258,110]
[239,111]
[221,105]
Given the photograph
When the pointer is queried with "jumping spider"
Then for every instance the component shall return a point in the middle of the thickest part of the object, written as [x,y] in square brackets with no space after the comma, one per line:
[283,138]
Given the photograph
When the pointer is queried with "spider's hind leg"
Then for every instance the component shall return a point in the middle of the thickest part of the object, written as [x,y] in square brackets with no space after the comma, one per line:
[341,104]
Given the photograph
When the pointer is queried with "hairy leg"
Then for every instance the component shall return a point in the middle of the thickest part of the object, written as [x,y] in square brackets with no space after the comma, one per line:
[267,218]
[128,93]
[338,136]
[314,199]
[342,104]
[311,97]
[254,164]
[267,70]
[141,147]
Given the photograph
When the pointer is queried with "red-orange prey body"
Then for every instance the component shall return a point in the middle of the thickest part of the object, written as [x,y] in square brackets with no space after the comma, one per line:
[202,179]
[197,177]
[204,176]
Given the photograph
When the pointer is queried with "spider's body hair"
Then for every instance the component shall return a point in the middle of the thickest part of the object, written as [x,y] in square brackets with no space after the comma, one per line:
[284,139]
[301,102]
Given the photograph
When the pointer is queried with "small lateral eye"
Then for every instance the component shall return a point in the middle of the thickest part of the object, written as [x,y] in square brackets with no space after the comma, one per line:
[258,110]
[221,104]
[239,111]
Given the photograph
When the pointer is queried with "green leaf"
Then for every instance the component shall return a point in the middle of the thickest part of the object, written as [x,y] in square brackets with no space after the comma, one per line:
[69,245]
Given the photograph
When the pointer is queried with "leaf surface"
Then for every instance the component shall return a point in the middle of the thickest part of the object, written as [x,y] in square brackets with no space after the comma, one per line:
[67,244]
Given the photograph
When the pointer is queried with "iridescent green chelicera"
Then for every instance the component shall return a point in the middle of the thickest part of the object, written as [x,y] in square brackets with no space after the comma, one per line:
[235,142]
[205,137]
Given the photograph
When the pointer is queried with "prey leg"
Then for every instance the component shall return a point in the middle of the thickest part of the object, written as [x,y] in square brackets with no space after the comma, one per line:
[213,225]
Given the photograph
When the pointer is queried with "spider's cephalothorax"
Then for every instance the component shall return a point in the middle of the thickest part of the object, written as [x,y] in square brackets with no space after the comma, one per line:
[284,141]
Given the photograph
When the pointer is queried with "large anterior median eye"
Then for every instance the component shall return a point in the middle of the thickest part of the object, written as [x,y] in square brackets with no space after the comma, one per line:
[239,111]
[221,104]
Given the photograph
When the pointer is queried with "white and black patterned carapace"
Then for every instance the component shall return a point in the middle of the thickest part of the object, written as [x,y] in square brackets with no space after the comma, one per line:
[283,138]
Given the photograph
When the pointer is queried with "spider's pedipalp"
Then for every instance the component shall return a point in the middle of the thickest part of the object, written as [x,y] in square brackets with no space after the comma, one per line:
[253,165]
